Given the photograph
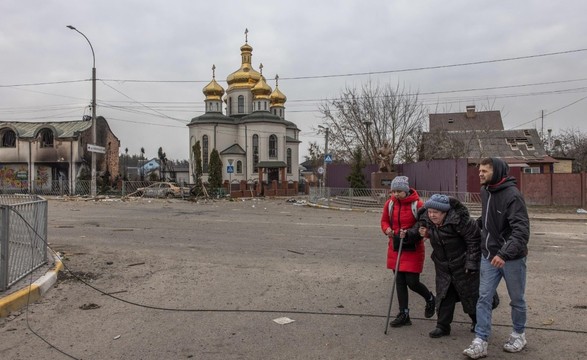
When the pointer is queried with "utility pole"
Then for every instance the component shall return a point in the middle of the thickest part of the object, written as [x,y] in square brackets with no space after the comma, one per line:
[325,164]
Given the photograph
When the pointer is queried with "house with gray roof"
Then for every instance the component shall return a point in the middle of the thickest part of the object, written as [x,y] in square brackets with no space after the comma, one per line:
[474,135]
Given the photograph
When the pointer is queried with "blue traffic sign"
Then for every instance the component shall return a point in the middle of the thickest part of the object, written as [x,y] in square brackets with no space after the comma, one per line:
[229,169]
[328,158]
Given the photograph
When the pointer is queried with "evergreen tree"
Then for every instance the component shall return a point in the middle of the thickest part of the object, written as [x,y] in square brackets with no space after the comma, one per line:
[197,166]
[163,162]
[356,177]
[215,170]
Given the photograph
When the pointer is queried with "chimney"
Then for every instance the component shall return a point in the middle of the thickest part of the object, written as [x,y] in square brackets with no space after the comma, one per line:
[470,111]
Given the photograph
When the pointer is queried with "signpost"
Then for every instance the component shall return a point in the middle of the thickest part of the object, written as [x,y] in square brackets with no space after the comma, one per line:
[230,170]
[96,149]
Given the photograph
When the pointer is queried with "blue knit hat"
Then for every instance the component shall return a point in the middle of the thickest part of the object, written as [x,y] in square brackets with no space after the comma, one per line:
[439,202]
[400,183]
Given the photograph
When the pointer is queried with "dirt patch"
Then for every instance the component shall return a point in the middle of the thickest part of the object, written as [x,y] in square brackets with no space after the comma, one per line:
[76,276]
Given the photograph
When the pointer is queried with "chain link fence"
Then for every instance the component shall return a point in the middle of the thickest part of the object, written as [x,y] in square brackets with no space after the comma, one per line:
[23,236]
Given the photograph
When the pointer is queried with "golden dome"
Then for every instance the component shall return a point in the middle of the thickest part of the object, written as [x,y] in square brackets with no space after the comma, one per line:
[277,97]
[261,90]
[213,90]
[246,76]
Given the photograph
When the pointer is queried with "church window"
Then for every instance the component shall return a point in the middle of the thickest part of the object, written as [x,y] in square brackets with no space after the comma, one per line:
[8,138]
[255,153]
[229,106]
[239,167]
[205,154]
[241,104]
[273,146]
[289,160]
[265,105]
[46,138]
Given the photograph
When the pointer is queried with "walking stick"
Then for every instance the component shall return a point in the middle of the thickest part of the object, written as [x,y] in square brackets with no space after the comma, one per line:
[399,254]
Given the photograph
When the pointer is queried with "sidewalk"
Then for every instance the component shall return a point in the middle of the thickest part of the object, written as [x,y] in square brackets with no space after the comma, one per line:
[23,292]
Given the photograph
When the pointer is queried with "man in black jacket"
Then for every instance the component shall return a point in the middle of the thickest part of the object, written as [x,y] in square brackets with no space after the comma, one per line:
[505,231]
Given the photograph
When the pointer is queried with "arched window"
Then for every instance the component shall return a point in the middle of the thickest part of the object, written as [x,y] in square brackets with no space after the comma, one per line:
[46,138]
[239,167]
[8,138]
[241,104]
[289,160]
[229,106]
[205,154]
[273,146]
[255,153]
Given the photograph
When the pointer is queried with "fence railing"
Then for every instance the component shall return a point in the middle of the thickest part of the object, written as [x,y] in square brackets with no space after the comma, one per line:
[23,236]
[376,198]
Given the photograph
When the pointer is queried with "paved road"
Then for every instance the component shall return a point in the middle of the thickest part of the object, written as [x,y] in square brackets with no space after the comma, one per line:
[206,281]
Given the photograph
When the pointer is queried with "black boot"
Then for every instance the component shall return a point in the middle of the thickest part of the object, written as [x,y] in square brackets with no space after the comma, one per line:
[438,332]
[403,318]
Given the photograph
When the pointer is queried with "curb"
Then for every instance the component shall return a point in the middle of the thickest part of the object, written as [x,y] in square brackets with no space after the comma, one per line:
[32,293]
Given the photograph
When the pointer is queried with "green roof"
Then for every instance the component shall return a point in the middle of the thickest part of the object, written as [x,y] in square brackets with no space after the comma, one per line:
[271,164]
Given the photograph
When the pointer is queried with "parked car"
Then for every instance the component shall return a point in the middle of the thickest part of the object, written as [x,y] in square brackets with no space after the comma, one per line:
[160,190]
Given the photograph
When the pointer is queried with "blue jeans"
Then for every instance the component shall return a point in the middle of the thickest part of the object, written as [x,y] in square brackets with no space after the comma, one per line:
[514,274]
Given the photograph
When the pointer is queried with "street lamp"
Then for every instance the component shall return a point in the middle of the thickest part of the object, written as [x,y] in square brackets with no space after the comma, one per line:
[367,124]
[93,185]
[325,152]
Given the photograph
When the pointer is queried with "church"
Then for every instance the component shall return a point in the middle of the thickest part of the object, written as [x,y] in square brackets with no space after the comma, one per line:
[258,147]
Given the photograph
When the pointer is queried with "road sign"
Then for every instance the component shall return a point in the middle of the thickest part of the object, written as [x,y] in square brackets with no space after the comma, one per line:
[328,158]
[96,149]
[230,169]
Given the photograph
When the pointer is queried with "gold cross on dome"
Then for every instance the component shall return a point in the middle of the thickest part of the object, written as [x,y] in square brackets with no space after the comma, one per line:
[246,35]
[213,71]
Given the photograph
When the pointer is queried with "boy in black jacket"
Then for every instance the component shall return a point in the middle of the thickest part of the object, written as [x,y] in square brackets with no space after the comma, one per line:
[505,231]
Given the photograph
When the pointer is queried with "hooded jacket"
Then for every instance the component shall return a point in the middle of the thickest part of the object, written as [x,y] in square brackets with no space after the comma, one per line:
[505,227]
[455,249]
[403,218]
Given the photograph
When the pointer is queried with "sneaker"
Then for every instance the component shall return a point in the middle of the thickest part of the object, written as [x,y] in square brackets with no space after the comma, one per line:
[477,349]
[430,307]
[515,343]
[401,319]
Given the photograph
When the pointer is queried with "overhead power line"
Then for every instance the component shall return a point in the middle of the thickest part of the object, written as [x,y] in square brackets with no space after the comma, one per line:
[433,67]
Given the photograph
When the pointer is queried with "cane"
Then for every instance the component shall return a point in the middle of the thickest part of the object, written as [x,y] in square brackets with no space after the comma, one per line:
[399,254]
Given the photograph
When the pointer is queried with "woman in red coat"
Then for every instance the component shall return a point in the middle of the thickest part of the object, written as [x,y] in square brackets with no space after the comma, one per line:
[399,213]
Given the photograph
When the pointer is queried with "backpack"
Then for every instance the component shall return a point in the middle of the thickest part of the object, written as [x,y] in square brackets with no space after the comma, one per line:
[414,209]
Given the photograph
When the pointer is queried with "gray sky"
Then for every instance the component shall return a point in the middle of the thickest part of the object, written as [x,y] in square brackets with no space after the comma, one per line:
[171,45]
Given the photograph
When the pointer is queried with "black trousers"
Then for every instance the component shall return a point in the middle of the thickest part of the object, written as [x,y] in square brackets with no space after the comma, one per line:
[446,310]
[405,280]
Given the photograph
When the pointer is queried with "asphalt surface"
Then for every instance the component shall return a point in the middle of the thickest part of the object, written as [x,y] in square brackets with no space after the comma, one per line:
[170,279]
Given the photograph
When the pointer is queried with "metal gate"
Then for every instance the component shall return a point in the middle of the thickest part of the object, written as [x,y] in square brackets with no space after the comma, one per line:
[23,236]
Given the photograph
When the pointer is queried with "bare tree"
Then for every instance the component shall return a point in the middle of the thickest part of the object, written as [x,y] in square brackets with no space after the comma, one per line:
[571,143]
[370,116]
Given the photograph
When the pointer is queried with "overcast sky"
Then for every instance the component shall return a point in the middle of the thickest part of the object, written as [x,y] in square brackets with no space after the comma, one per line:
[154,57]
